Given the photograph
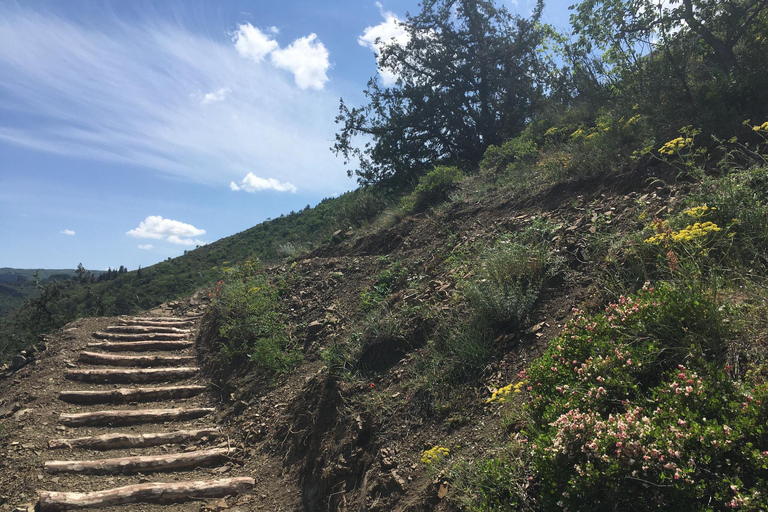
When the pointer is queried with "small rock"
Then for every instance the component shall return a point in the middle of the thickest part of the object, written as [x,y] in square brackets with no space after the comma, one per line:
[21,414]
[9,410]
[17,362]
[314,328]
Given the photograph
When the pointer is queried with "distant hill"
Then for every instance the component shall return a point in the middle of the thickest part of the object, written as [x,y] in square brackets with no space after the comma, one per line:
[20,284]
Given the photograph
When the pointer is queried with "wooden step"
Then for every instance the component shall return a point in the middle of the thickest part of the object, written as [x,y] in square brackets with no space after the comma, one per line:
[123,395]
[124,440]
[112,360]
[138,329]
[139,463]
[121,376]
[142,346]
[161,325]
[141,336]
[132,417]
[154,492]
[163,319]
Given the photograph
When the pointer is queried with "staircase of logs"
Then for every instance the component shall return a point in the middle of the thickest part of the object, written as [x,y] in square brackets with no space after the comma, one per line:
[137,353]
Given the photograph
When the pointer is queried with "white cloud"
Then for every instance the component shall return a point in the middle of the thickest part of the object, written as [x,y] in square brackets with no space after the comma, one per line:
[252,43]
[307,59]
[184,241]
[389,31]
[173,231]
[133,94]
[252,183]
[146,247]
[68,232]
[213,97]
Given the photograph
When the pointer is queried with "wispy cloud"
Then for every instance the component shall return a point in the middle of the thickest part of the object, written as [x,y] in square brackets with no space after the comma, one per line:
[146,247]
[253,183]
[173,231]
[67,232]
[213,97]
[159,96]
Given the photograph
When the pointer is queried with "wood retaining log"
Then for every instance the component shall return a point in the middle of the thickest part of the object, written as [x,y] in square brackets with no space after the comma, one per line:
[123,395]
[153,323]
[138,329]
[120,376]
[131,417]
[141,346]
[124,440]
[139,337]
[139,463]
[112,360]
[145,493]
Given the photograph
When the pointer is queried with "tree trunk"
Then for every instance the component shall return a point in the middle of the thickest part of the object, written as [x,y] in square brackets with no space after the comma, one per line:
[119,441]
[131,417]
[145,493]
[123,395]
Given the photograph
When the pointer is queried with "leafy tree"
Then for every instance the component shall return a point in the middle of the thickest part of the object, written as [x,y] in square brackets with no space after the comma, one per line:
[696,61]
[468,76]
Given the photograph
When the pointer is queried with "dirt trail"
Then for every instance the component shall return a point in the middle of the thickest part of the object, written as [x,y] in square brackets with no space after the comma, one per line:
[86,426]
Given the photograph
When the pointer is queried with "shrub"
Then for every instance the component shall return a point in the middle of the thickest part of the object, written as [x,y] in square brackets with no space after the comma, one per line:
[433,187]
[631,410]
[509,282]
[250,320]
[512,156]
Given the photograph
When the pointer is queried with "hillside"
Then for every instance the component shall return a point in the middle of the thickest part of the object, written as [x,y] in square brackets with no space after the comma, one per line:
[548,293]
[391,367]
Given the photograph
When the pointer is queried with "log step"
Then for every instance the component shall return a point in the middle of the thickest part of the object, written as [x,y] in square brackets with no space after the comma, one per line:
[113,418]
[140,337]
[120,376]
[163,319]
[141,346]
[139,463]
[112,360]
[124,440]
[152,323]
[145,493]
[137,329]
[123,395]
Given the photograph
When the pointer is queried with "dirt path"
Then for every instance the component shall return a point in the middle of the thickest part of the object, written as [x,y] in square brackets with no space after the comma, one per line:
[96,421]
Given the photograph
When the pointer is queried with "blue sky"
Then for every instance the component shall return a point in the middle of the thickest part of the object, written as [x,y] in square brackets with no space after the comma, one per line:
[131,131]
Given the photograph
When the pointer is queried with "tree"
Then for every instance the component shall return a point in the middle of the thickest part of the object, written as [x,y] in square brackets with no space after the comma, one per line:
[468,77]
[706,57]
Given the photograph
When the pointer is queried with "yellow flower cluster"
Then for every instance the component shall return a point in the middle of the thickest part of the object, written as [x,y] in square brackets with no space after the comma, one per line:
[632,120]
[434,454]
[761,127]
[675,145]
[501,394]
[687,234]
[698,211]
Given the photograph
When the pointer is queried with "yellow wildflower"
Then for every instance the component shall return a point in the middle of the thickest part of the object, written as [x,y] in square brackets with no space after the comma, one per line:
[761,127]
[675,145]
[502,394]
[434,454]
[698,211]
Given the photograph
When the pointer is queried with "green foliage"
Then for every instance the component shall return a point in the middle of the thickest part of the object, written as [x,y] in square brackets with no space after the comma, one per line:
[468,76]
[251,323]
[631,409]
[510,278]
[495,484]
[433,187]
[512,157]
